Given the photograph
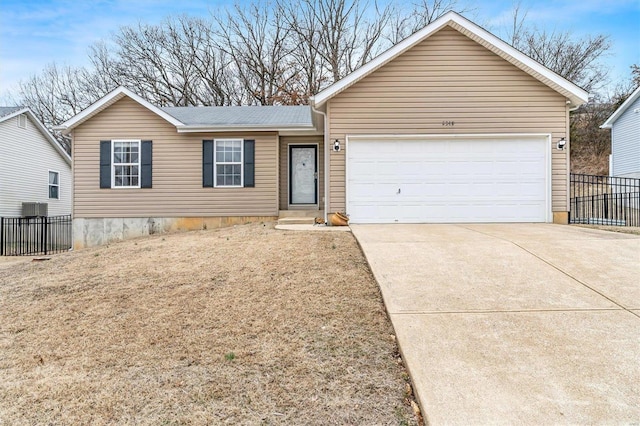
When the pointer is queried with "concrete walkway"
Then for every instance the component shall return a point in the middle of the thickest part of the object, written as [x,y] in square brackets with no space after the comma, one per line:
[513,324]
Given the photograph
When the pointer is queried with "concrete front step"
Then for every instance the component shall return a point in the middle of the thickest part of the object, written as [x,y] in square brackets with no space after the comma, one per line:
[300,213]
[299,220]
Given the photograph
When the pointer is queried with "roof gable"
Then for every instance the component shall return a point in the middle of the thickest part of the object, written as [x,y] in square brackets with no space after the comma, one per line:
[296,119]
[576,95]
[621,109]
[108,100]
[10,112]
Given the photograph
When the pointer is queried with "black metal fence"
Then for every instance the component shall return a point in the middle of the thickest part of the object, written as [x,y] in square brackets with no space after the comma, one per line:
[21,236]
[604,200]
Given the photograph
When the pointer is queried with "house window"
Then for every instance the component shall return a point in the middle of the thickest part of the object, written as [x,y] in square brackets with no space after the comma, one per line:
[22,121]
[125,164]
[228,162]
[54,185]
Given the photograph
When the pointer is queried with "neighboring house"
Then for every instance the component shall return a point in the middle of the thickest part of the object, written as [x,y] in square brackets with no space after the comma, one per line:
[450,125]
[33,166]
[625,138]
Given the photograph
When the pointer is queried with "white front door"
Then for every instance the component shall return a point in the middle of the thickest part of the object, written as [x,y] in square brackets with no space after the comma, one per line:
[303,174]
[501,179]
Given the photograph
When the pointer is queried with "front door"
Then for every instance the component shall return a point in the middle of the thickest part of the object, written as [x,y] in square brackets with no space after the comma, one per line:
[303,174]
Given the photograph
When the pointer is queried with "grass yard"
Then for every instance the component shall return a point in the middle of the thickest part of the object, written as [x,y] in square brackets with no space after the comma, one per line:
[243,325]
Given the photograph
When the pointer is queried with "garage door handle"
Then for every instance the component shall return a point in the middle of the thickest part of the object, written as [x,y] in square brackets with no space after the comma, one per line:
[398,191]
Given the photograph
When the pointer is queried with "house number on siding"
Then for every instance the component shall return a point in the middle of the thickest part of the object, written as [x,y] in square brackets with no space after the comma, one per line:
[447,123]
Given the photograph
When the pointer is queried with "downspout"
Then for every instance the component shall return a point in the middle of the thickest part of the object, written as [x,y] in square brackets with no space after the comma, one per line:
[570,109]
[326,156]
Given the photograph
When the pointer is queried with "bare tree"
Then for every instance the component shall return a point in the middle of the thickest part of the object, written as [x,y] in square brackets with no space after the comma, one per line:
[58,93]
[404,22]
[591,145]
[635,75]
[255,38]
[311,75]
[213,69]
[145,63]
[344,34]
[578,59]
[517,28]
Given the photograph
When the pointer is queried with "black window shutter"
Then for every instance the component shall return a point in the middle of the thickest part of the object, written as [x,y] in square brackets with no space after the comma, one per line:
[105,164]
[207,164]
[249,163]
[146,164]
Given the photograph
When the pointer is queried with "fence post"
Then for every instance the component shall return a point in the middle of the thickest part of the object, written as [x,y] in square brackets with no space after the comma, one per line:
[45,237]
[1,236]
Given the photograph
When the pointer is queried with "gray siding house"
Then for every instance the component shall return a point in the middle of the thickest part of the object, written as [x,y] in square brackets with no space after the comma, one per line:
[33,166]
[625,138]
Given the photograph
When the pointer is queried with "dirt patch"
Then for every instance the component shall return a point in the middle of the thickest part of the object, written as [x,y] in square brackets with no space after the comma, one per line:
[245,325]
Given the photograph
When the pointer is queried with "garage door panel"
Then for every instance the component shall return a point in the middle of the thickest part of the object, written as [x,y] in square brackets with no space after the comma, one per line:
[447,181]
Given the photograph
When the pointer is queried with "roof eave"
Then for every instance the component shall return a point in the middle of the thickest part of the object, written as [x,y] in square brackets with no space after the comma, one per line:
[257,128]
[109,99]
[621,109]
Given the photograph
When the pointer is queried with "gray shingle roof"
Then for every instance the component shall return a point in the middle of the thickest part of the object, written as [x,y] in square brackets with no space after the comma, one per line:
[243,116]
[4,110]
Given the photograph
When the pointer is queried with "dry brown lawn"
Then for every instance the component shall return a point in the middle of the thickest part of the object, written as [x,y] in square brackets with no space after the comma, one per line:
[244,325]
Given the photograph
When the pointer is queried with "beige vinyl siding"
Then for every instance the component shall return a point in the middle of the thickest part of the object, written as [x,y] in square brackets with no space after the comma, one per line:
[285,141]
[448,77]
[177,170]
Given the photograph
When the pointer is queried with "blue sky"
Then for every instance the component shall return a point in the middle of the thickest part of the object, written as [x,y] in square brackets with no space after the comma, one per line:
[34,33]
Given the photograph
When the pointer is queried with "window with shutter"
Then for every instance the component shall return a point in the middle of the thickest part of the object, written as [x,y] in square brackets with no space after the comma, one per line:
[228,163]
[126,163]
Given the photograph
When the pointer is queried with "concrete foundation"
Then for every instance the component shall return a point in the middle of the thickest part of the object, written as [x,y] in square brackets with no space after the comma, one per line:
[561,218]
[90,232]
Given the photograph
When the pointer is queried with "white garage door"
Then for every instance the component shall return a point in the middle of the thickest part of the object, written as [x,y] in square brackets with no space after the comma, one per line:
[448,181]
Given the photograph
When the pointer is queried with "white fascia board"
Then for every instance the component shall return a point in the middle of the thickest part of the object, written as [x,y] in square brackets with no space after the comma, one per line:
[577,95]
[108,99]
[49,137]
[621,109]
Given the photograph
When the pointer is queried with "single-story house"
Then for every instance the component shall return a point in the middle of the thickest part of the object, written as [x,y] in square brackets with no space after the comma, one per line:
[450,125]
[625,138]
[34,168]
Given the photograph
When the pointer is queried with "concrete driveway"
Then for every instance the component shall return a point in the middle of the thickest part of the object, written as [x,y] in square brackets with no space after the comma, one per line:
[513,324]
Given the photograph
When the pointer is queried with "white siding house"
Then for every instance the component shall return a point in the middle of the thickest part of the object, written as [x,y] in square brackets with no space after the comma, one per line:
[625,138]
[33,166]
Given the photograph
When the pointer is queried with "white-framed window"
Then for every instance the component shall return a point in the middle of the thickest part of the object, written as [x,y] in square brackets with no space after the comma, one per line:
[54,185]
[22,121]
[125,164]
[228,158]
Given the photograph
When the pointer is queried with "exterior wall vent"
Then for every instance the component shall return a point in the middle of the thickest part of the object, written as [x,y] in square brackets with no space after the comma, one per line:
[35,209]
[22,121]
